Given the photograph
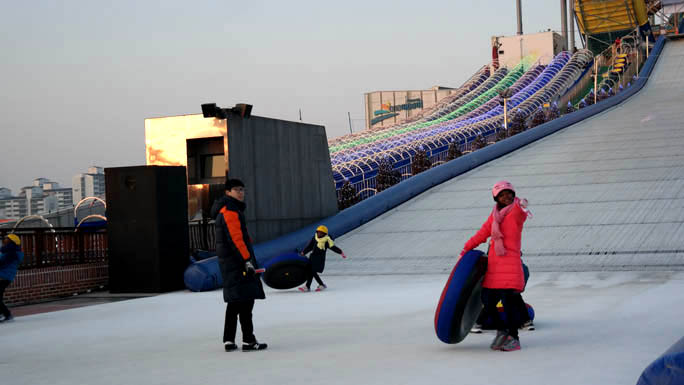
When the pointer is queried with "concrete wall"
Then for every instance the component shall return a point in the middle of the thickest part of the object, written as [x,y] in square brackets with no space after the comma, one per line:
[287,172]
[39,284]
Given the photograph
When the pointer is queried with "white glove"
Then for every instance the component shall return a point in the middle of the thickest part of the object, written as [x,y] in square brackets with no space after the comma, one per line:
[249,268]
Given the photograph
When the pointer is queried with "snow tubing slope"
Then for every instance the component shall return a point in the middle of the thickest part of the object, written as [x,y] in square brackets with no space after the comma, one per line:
[203,275]
[460,303]
[667,369]
[286,271]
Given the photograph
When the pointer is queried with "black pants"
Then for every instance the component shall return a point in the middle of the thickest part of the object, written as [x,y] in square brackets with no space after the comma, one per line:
[486,319]
[242,309]
[312,275]
[490,297]
[520,308]
[3,309]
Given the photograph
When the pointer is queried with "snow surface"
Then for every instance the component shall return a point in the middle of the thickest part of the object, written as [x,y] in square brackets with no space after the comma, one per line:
[593,328]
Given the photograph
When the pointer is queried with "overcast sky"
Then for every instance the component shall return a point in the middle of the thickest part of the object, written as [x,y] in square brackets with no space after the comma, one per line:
[80,77]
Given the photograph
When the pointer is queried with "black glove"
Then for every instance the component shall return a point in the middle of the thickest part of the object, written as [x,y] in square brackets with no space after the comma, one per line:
[249,268]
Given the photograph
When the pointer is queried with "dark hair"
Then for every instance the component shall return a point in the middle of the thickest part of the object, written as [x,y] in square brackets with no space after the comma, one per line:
[231,183]
[506,189]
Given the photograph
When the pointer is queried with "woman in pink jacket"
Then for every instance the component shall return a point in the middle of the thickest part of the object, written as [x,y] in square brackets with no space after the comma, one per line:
[504,277]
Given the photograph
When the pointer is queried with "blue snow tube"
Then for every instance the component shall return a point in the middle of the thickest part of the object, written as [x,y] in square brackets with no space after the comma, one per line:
[200,254]
[667,369]
[203,275]
[286,271]
[490,324]
[460,303]
[530,311]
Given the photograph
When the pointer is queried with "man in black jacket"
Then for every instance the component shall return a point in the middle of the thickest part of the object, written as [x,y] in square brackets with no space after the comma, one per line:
[241,286]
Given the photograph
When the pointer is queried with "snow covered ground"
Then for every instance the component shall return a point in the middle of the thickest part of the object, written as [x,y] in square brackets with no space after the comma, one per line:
[593,328]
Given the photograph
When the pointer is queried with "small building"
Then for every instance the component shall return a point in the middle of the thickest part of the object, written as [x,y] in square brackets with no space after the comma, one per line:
[386,108]
[285,166]
[544,45]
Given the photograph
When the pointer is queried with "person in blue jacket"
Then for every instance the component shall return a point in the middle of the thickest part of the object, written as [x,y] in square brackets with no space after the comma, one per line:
[10,258]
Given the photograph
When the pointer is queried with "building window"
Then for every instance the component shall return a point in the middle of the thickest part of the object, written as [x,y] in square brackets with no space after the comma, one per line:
[214,166]
[206,162]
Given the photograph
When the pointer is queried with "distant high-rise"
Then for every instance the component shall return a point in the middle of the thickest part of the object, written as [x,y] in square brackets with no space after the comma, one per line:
[45,196]
[60,197]
[41,197]
[90,184]
[5,193]
[11,207]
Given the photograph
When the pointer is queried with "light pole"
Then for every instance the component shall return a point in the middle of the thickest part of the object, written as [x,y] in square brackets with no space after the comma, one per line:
[637,48]
[595,74]
[505,94]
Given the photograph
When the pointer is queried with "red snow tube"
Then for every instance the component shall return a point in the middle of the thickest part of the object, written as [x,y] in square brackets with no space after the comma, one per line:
[460,303]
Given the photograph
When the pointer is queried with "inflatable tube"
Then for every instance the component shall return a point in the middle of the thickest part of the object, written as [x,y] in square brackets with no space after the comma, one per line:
[200,254]
[460,303]
[500,309]
[488,322]
[203,275]
[286,271]
[530,311]
[368,209]
[667,369]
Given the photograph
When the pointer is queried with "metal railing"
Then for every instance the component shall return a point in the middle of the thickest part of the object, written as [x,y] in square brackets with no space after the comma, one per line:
[367,186]
[555,80]
[202,235]
[47,247]
[631,47]
[577,92]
